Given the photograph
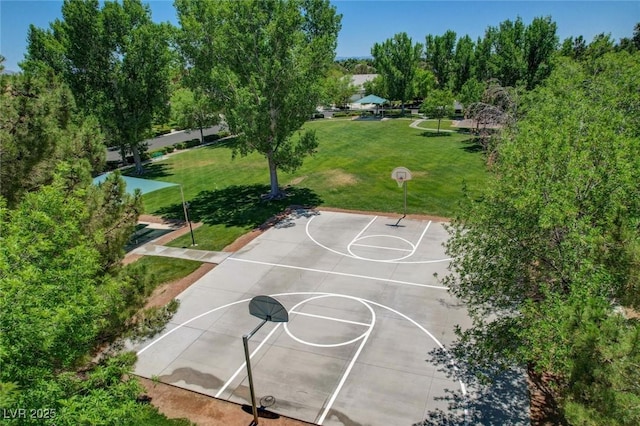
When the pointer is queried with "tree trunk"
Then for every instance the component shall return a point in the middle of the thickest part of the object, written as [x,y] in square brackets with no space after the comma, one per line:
[201,136]
[273,174]
[439,125]
[136,157]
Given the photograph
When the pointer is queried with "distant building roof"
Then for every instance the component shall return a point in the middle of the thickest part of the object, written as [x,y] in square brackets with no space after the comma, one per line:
[360,79]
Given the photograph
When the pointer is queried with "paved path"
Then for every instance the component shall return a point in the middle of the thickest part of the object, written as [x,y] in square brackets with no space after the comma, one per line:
[416,125]
[182,253]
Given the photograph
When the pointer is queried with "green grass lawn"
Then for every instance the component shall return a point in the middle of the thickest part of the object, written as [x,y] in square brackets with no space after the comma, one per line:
[166,269]
[432,123]
[351,170]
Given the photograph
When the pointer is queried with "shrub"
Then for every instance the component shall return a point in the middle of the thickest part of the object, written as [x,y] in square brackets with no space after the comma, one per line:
[192,143]
[160,129]
[211,138]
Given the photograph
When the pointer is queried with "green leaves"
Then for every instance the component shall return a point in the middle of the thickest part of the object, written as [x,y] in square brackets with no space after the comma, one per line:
[49,313]
[553,242]
[270,81]
[115,61]
[396,59]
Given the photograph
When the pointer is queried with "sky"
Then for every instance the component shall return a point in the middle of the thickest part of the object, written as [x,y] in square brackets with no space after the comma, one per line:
[366,22]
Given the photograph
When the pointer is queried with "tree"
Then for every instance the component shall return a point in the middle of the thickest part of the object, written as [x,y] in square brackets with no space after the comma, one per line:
[57,301]
[497,109]
[439,53]
[540,44]
[115,61]
[339,88]
[396,59]
[49,279]
[39,129]
[463,62]
[438,104]
[573,48]
[193,110]
[423,83]
[266,61]
[508,63]
[471,92]
[545,253]
[376,86]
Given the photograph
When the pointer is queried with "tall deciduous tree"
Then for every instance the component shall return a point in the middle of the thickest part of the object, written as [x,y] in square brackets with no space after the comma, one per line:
[266,61]
[338,88]
[396,59]
[115,60]
[540,44]
[543,257]
[193,110]
[440,54]
[463,62]
[507,62]
[438,104]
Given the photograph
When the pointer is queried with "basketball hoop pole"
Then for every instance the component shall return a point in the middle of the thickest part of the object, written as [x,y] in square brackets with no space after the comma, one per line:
[404,184]
[267,309]
[401,175]
[245,342]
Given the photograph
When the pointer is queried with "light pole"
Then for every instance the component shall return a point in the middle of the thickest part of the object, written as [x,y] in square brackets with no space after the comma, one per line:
[185,206]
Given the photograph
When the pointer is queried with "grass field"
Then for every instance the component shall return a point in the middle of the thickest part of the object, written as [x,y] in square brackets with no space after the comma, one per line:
[351,170]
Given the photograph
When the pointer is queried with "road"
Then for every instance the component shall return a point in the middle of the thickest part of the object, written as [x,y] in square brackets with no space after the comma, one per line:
[167,140]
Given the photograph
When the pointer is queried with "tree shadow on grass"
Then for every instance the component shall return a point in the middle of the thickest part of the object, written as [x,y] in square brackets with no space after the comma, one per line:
[241,205]
[472,145]
[435,134]
[502,399]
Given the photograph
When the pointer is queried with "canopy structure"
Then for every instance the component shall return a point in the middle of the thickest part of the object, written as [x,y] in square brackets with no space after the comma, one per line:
[144,185]
[371,99]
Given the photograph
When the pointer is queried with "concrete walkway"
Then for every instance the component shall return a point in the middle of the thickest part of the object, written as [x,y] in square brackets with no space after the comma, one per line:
[182,253]
[416,125]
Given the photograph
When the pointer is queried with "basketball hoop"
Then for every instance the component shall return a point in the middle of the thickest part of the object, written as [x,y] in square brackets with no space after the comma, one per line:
[401,175]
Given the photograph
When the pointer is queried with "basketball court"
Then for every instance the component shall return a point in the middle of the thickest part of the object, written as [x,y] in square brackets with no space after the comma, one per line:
[365,310]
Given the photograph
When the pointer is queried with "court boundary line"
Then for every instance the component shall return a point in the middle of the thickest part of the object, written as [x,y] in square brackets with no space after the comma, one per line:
[353,256]
[344,274]
[318,295]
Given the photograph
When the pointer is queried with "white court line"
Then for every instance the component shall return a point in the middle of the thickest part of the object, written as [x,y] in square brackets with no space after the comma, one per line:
[380,247]
[361,232]
[332,345]
[343,379]
[329,318]
[318,243]
[344,274]
[244,364]
[318,295]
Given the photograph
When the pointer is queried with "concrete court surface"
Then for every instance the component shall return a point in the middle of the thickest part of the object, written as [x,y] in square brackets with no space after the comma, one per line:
[365,311]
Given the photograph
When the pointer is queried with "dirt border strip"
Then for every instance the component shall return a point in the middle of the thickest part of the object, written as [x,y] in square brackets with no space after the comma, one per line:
[204,410]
